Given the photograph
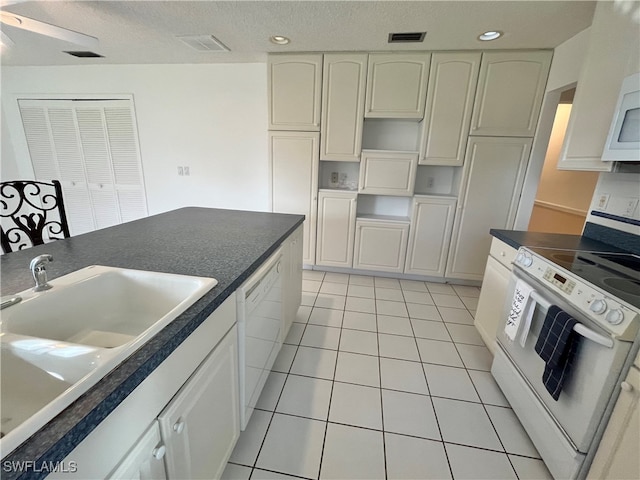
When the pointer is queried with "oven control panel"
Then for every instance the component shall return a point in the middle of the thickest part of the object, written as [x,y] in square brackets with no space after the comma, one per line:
[613,315]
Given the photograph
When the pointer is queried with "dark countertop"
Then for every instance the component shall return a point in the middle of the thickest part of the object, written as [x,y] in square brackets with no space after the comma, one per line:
[228,245]
[518,239]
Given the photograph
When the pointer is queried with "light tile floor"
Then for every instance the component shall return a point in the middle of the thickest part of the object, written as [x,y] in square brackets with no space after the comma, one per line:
[383,378]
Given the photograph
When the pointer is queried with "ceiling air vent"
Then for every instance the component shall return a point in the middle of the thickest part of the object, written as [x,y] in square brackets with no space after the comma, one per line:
[204,43]
[82,54]
[410,37]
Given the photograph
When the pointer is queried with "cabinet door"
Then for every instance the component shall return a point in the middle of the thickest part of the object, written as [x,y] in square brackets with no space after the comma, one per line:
[510,91]
[617,455]
[146,460]
[380,245]
[491,186]
[614,45]
[397,85]
[431,225]
[336,228]
[201,425]
[292,279]
[294,83]
[343,88]
[491,302]
[388,173]
[452,87]
[294,181]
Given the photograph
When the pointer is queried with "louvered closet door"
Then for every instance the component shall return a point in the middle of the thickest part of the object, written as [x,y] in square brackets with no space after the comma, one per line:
[92,147]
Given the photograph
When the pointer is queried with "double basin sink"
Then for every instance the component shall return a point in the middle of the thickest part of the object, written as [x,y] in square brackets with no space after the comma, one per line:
[57,343]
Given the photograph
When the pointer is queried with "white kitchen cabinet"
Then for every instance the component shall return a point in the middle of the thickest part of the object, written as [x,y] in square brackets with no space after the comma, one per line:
[494,290]
[431,225]
[617,455]
[295,86]
[452,87]
[201,425]
[397,85]
[343,91]
[336,228]
[490,191]
[613,53]
[384,172]
[510,91]
[292,282]
[294,181]
[380,244]
[146,460]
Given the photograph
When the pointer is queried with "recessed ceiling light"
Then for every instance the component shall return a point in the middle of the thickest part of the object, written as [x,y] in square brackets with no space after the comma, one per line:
[490,35]
[279,40]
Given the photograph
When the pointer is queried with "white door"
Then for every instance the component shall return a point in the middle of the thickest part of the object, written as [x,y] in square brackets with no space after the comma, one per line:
[431,225]
[146,460]
[343,89]
[397,85]
[336,228]
[452,87]
[388,173]
[198,417]
[294,83]
[491,186]
[491,302]
[510,91]
[380,245]
[294,181]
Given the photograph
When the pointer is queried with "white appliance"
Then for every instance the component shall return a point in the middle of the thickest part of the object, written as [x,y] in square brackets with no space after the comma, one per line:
[623,141]
[260,320]
[602,292]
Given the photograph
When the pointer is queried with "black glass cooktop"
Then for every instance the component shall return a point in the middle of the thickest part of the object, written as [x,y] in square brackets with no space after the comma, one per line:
[616,273]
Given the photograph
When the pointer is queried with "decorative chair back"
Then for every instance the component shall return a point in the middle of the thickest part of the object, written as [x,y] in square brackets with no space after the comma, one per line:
[31,213]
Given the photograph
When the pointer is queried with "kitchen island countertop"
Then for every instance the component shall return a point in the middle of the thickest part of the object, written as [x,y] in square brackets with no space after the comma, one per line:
[227,245]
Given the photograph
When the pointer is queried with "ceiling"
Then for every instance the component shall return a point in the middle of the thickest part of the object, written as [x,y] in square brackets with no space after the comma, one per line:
[144,32]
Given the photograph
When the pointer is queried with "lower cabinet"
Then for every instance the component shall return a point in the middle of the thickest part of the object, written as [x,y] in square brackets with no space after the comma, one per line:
[292,284]
[146,460]
[494,291]
[431,224]
[200,426]
[490,191]
[617,454]
[380,244]
[336,228]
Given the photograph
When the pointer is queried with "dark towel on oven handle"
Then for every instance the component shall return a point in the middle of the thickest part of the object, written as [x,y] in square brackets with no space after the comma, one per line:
[557,345]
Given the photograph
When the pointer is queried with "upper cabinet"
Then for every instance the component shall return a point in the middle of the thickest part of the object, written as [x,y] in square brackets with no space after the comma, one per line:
[294,83]
[397,85]
[510,91]
[388,173]
[452,87]
[612,54]
[343,91]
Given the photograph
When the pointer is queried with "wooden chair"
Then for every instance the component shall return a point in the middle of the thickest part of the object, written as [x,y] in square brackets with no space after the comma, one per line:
[31,213]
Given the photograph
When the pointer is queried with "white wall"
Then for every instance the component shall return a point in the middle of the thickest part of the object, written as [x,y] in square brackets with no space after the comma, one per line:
[212,118]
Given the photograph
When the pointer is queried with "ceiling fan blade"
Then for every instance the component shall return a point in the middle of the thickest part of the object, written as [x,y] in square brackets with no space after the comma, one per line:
[48,30]
[5,40]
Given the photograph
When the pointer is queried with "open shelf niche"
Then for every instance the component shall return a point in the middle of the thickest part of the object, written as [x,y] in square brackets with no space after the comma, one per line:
[384,207]
[339,175]
[391,134]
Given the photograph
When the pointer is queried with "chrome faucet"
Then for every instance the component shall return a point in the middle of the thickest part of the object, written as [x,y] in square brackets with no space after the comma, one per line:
[39,272]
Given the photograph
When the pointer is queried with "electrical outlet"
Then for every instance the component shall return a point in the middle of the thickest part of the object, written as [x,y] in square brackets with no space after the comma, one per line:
[602,201]
[632,203]
[180,171]
[186,171]
[430,181]
[334,177]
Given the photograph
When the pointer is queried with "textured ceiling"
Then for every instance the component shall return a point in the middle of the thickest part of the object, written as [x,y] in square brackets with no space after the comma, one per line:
[134,32]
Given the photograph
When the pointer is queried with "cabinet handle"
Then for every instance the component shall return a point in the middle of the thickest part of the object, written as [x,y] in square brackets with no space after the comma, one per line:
[626,386]
[159,451]
[179,426]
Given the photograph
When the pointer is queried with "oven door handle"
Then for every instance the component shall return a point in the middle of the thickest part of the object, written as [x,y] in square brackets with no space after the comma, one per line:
[579,328]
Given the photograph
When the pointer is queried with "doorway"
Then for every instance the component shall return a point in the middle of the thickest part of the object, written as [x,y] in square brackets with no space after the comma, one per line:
[563,197]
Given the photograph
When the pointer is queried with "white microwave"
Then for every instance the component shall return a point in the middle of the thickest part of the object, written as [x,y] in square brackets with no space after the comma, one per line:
[623,141]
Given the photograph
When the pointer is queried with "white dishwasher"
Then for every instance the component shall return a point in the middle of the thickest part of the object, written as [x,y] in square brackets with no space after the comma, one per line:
[260,321]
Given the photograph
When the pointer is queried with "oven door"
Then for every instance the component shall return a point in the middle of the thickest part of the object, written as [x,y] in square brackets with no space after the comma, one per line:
[593,376]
